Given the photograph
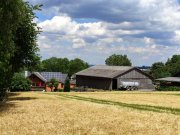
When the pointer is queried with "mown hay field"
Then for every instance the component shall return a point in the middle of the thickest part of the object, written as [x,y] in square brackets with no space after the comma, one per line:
[96,113]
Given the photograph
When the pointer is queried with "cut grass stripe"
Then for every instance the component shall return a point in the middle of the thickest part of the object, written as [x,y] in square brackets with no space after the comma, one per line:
[159,109]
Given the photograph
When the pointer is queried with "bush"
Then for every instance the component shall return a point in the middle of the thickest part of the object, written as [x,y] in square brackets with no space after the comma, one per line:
[20,83]
[60,90]
[169,88]
[67,86]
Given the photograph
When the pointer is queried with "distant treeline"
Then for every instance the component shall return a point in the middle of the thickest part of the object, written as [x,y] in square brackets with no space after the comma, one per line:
[64,65]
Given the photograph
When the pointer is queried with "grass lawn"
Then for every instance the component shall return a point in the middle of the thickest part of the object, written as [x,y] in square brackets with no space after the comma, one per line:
[96,113]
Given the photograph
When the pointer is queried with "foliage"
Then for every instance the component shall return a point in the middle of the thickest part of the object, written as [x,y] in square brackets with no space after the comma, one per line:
[173,64]
[76,65]
[118,60]
[18,34]
[170,68]
[55,65]
[67,86]
[20,83]
[169,88]
[63,65]
[53,83]
[159,70]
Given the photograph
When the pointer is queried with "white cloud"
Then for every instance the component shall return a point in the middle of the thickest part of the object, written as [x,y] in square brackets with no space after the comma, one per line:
[151,33]
[78,43]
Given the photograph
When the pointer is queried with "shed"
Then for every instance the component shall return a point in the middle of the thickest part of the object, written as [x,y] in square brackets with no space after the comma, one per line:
[110,77]
[170,81]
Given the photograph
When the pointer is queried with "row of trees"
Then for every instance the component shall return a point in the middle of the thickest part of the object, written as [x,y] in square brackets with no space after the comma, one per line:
[64,65]
[70,67]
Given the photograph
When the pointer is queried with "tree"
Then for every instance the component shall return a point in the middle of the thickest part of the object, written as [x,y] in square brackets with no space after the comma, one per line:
[159,70]
[63,65]
[118,60]
[53,83]
[18,34]
[77,65]
[173,64]
[55,65]
[67,86]
[20,83]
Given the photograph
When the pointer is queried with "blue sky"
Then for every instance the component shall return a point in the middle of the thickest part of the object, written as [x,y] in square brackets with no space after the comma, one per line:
[147,31]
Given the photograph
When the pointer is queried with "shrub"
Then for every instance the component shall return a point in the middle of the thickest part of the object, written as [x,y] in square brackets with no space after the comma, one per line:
[169,88]
[20,83]
[67,86]
[60,90]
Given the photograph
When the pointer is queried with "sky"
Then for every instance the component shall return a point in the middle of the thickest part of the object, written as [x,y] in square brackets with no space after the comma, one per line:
[147,31]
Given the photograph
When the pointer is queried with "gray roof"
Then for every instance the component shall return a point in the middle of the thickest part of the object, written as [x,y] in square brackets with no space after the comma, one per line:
[169,79]
[40,76]
[47,76]
[105,71]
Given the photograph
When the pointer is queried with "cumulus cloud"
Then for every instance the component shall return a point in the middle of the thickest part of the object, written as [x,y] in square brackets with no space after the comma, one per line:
[146,30]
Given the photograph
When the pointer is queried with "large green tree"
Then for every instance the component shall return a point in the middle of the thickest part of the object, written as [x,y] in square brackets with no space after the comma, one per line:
[18,34]
[173,64]
[118,60]
[77,65]
[170,68]
[63,65]
[55,65]
[159,70]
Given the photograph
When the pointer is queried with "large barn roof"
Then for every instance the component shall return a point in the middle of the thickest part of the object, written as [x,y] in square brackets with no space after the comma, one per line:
[104,71]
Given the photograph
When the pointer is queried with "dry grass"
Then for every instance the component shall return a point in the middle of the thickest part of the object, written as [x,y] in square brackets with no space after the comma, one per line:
[40,114]
[167,99]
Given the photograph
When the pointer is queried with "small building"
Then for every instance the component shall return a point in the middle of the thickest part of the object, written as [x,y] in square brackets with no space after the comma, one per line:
[39,79]
[170,81]
[110,77]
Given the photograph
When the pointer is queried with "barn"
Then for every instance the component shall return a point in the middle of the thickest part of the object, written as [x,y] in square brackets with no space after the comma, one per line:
[110,77]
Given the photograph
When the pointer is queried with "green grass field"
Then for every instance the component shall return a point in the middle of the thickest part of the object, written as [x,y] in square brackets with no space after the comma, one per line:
[91,113]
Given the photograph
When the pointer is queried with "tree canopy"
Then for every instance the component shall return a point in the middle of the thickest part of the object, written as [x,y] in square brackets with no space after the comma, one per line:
[18,34]
[54,64]
[170,68]
[118,60]
[173,64]
[63,65]
[77,65]
[159,70]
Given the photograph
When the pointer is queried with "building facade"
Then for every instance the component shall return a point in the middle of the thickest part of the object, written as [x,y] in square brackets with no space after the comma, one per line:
[40,79]
[110,77]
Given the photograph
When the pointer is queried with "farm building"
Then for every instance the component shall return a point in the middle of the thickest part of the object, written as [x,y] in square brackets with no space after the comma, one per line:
[39,79]
[111,77]
[170,81]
